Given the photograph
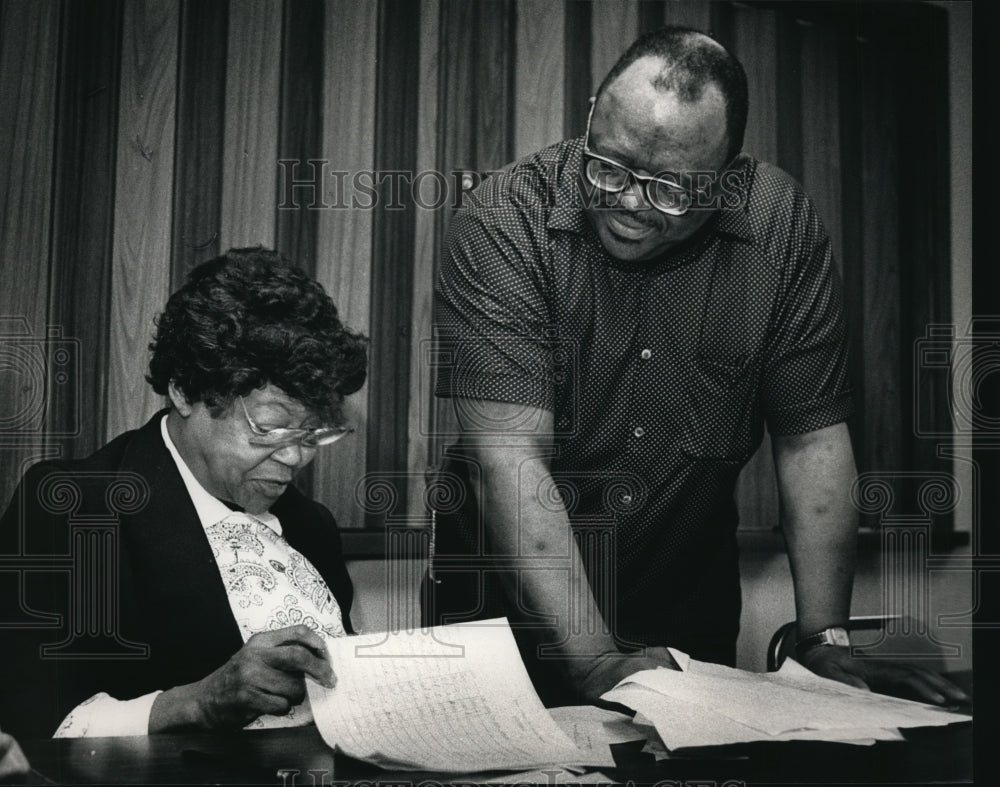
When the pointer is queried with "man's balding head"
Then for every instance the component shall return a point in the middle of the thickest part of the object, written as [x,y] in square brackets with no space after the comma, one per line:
[689,62]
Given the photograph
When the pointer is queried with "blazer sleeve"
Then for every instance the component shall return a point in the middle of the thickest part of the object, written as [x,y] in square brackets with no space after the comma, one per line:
[37,690]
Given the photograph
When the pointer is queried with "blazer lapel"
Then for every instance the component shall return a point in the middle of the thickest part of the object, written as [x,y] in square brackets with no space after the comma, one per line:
[180,593]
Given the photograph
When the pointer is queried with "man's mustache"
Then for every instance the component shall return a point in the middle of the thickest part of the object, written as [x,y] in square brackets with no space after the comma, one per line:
[648,218]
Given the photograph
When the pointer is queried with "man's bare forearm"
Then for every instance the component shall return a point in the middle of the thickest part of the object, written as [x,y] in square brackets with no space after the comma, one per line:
[548,574]
[815,473]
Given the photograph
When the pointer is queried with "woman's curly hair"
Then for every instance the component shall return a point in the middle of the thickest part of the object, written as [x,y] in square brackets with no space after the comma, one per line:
[249,318]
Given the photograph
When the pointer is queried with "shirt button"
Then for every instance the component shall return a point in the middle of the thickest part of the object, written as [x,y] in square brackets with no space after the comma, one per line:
[638,431]
[646,355]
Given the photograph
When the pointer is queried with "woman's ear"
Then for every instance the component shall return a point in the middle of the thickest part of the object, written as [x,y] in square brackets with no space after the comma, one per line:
[178,399]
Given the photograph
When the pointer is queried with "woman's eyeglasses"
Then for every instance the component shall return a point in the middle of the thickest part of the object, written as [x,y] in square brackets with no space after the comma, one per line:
[308,438]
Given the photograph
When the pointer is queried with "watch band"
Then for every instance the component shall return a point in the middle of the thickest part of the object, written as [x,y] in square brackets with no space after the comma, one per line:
[835,636]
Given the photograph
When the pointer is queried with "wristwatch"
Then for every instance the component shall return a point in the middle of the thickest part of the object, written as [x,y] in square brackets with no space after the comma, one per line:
[835,635]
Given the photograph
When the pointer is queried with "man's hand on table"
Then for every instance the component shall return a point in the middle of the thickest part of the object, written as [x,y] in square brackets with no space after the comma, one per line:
[885,677]
[607,670]
[265,676]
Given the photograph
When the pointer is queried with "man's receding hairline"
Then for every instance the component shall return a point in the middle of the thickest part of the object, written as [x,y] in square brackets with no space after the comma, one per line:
[687,38]
[662,85]
[662,80]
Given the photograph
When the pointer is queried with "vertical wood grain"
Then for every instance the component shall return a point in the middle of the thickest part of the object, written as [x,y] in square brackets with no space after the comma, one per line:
[538,77]
[722,15]
[615,25]
[29,37]
[820,125]
[925,244]
[397,83]
[83,213]
[650,15]
[790,85]
[426,250]
[853,252]
[250,154]
[688,13]
[456,92]
[577,44]
[344,235]
[880,290]
[493,62]
[754,34]
[755,44]
[201,116]
[299,126]
[140,274]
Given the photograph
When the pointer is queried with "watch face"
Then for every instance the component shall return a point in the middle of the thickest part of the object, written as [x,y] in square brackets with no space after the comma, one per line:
[838,636]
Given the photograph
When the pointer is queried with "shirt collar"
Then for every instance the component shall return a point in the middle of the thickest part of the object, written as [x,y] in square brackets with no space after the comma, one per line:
[736,221]
[210,509]
[567,212]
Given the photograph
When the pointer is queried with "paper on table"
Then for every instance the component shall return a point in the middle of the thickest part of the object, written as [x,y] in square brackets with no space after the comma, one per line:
[787,701]
[544,776]
[452,698]
[682,725]
[683,659]
[595,729]
[657,749]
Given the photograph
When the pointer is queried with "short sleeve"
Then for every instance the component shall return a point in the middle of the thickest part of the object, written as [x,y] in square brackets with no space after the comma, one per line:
[493,340]
[805,384]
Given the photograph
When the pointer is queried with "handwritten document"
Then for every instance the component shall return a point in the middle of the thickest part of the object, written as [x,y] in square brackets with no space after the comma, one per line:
[595,729]
[711,705]
[451,698]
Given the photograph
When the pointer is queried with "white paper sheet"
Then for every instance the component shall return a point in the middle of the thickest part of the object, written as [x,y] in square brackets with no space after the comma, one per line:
[657,749]
[453,698]
[712,705]
[545,776]
[786,701]
[595,729]
[682,725]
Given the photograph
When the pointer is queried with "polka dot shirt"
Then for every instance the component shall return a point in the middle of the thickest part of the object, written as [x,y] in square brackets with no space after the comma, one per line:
[661,375]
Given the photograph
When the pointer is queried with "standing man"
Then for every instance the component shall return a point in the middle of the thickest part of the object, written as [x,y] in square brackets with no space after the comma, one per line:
[624,313]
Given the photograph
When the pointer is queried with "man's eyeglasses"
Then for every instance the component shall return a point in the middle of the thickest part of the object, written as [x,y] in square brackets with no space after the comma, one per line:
[307,438]
[666,195]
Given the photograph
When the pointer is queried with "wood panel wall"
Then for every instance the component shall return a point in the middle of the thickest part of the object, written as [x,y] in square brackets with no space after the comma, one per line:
[141,138]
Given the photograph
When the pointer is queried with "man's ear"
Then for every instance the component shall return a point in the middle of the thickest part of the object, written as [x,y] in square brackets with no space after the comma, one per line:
[179,400]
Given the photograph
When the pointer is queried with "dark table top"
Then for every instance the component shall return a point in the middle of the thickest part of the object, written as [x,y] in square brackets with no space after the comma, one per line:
[287,756]
[261,756]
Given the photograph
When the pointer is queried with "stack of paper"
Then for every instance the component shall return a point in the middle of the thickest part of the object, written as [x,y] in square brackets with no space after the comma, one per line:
[711,705]
[451,698]
[595,729]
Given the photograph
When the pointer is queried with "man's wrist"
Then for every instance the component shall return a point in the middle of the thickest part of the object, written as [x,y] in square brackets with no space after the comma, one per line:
[580,666]
[830,637]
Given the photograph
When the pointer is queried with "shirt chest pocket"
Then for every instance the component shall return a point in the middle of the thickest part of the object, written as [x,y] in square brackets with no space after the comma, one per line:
[721,420]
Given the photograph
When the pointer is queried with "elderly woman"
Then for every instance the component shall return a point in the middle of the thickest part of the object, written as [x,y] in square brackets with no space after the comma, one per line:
[223,578]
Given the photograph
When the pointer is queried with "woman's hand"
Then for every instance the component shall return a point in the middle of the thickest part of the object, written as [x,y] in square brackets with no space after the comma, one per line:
[265,676]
